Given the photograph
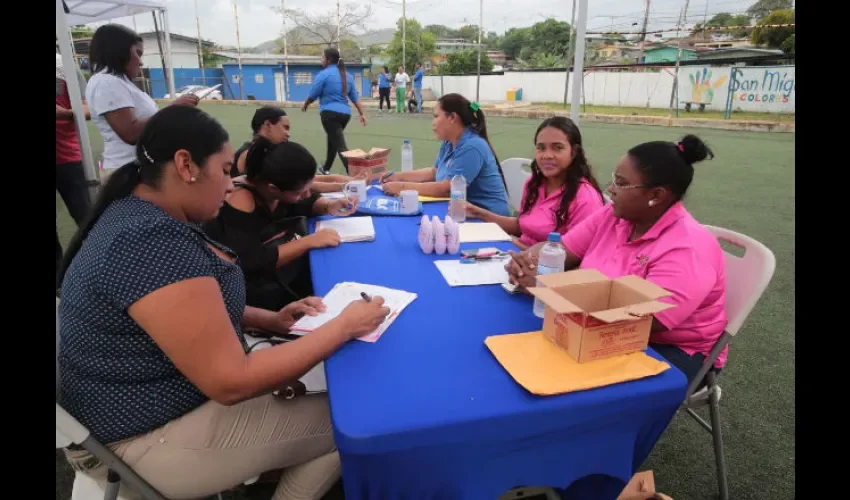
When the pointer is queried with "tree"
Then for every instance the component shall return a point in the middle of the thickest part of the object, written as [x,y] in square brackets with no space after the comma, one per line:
[323,26]
[550,36]
[81,31]
[723,20]
[548,61]
[441,31]
[515,39]
[762,8]
[788,45]
[468,33]
[420,45]
[773,37]
[466,62]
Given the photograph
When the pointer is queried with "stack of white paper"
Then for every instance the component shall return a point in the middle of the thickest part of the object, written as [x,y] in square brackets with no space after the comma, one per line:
[334,196]
[350,229]
[479,232]
[483,272]
[347,292]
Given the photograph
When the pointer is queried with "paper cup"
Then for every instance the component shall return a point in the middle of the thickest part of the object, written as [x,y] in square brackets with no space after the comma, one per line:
[356,190]
[409,201]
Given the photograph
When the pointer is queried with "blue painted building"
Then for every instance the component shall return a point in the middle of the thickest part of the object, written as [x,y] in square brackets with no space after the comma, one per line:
[184,77]
[263,81]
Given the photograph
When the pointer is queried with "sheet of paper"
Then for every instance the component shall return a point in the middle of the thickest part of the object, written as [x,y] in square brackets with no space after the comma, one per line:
[350,229]
[480,232]
[347,292]
[334,196]
[486,272]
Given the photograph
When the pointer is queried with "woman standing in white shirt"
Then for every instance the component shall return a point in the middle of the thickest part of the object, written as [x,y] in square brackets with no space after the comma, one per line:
[118,107]
[401,81]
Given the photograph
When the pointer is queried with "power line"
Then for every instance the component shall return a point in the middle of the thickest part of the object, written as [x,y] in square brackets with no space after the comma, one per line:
[702,28]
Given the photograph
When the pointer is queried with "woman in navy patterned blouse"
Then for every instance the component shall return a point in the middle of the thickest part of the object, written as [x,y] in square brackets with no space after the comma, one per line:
[152,355]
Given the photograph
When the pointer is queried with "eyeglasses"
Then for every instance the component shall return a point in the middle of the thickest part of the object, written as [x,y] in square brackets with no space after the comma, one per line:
[620,185]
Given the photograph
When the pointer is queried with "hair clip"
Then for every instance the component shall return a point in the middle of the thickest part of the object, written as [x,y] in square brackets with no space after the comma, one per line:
[681,147]
[147,156]
[474,106]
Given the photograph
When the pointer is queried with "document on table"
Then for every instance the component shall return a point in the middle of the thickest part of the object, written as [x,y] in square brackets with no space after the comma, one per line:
[480,232]
[347,292]
[350,229]
[484,272]
[334,196]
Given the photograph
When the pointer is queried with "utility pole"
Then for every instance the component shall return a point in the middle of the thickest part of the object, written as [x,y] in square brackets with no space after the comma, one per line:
[338,20]
[239,53]
[578,84]
[480,29]
[570,46]
[404,34]
[674,95]
[200,46]
[643,33]
[285,54]
[704,22]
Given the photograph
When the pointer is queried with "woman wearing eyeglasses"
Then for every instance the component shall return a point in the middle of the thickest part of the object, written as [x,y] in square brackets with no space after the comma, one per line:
[646,231]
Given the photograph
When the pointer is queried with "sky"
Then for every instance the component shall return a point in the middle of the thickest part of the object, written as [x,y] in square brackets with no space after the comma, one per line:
[259,21]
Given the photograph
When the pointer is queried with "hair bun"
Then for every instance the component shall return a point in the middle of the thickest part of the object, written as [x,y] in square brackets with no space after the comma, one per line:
[693,150]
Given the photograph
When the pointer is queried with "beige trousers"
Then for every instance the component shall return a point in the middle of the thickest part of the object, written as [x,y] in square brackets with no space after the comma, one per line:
[215,448]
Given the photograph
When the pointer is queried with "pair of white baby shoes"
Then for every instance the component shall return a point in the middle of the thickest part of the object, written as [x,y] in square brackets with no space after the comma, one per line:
[439,237]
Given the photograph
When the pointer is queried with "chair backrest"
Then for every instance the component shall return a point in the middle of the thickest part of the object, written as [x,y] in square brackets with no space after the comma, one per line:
[57,348]
[746,277]
[515,178]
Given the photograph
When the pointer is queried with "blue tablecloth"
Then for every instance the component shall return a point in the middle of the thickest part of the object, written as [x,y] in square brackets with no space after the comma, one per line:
[428,412]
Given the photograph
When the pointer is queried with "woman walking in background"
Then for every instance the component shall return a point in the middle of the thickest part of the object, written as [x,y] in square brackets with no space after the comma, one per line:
[333,87]
[384,88]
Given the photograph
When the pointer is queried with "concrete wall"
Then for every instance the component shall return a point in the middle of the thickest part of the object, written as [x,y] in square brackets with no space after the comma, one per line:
[766,89]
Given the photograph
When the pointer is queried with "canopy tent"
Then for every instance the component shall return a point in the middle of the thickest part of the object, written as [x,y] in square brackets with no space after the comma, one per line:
[75,12]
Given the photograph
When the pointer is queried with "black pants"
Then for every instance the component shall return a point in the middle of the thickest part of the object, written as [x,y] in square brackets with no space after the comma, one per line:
[384,94]
[334,123]
[690,365]
[72,187]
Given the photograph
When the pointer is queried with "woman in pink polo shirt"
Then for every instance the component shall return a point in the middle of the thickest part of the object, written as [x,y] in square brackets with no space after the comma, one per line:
[646,231]
[561,191]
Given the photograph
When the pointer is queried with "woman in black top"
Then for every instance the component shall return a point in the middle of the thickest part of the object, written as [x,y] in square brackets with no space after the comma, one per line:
[264,221]
[272,123]
[269,122]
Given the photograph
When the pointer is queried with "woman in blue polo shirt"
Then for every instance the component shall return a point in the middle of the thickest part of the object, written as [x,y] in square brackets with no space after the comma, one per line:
[465,150]
[333,88]
[384,88]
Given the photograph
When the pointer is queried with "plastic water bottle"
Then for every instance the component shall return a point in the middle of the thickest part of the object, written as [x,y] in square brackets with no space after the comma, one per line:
[457,204]
[551,261]
[406,156]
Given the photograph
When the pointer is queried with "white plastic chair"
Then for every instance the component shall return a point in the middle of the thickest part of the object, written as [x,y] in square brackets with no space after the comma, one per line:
[515,178]
[747,278]
[70,431]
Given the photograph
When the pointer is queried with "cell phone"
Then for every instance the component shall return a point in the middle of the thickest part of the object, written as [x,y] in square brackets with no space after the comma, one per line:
[510,288]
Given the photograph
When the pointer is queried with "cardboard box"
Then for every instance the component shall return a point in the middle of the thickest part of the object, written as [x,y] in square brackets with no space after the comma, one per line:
[375,161]
[593,317]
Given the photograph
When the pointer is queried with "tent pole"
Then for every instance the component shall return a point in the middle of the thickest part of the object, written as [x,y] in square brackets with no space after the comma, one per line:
[75,93]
